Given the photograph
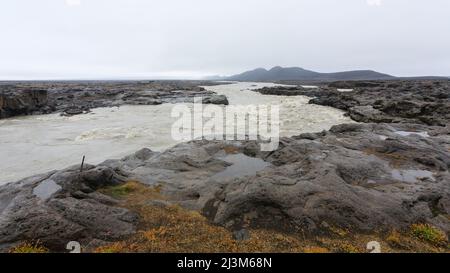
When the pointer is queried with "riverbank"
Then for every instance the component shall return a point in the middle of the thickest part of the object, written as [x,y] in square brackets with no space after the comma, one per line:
[396,101]
[78,97]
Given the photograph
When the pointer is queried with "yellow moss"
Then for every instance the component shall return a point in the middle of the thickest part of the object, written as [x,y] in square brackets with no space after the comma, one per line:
[394,239]
[28,247]
[429,234]
[347,248]
[338,231]
[315,249]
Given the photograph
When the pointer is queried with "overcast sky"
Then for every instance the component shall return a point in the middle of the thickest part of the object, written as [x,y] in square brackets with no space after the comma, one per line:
[50,39]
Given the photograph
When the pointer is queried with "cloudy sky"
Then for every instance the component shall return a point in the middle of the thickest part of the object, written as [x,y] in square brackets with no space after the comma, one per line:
[73,39]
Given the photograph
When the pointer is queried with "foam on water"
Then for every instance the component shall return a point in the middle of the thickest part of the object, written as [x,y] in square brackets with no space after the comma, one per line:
[37,144]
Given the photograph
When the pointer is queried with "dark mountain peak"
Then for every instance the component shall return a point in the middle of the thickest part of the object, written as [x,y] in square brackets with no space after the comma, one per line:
[279,73]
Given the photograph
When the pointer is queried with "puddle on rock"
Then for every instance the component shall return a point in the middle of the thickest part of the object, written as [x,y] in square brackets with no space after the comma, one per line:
[342,90]
[408,133]
[46,189]
[242,166]
[411,176]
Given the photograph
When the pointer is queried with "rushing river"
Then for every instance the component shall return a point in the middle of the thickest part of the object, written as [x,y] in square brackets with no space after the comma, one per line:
[36,144]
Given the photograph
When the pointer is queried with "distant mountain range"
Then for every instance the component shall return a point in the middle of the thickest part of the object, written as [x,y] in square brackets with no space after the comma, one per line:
[296,73]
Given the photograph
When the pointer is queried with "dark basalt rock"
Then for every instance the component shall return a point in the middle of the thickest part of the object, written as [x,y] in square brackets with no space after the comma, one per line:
[22,102]
[395,101]
[364,177]
[216,99]
[63,206]
[74,98]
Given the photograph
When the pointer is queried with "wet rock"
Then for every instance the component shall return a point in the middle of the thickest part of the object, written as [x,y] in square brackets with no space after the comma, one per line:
[72,111]
[53,209]
[216,99]
[241,235]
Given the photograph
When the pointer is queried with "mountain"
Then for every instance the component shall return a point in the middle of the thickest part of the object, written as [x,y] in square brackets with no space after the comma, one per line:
[296,73]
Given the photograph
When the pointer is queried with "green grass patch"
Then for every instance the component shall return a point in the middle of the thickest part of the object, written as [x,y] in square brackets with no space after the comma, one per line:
[428,233]
[121,191]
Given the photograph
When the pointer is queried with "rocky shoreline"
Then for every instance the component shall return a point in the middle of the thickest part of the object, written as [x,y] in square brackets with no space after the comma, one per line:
[73,98]
[378,177]
[422,102]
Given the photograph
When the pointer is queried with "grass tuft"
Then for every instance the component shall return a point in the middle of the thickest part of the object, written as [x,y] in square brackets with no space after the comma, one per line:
[29,247]
[428,233]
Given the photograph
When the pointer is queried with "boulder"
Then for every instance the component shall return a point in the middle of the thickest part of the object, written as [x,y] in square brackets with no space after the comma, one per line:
[216,99]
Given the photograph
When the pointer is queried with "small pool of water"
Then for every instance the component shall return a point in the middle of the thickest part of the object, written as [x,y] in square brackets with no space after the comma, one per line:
[412,176]
[46,189]
[345,90]
[242,166]
[409,133]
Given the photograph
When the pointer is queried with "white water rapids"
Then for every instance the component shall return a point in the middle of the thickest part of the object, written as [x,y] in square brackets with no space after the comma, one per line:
[35,144]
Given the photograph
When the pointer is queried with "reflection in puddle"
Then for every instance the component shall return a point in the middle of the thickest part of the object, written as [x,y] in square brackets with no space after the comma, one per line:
[345,90]
[242,166]
[411,176]
[408,133]
[46,189]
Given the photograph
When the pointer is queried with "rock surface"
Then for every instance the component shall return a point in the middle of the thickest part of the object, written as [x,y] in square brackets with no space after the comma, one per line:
[356,176]
[423,102]
[63,206]
[22,102]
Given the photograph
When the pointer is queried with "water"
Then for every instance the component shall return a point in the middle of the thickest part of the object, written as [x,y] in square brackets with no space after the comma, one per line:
[412,176]
[409,133]
[37,144]
[242,166]
[46,189]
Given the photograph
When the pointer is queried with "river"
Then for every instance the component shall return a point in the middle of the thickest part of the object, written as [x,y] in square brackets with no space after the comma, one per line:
[35,144]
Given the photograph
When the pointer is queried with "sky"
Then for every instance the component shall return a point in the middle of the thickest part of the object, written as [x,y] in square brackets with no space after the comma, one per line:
[127,39]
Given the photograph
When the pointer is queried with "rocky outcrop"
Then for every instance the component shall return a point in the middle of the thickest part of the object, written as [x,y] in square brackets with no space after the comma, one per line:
[421,102]
[22,102]
[74,98]
[361,177]
[63,206]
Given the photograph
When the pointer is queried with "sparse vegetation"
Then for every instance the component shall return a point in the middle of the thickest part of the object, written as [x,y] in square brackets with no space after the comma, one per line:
[429,234]
[394,239]
[315,249]
[120,191]
[171,228]
[29,247]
